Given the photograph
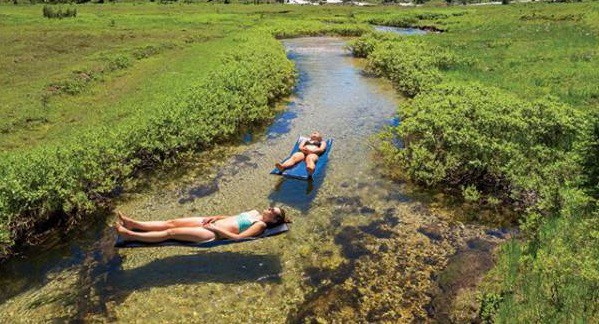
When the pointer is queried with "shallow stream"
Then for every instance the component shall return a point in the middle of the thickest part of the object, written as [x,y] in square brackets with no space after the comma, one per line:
[277,279]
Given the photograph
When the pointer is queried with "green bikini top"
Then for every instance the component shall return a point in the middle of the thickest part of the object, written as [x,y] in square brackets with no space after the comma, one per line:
[244,221]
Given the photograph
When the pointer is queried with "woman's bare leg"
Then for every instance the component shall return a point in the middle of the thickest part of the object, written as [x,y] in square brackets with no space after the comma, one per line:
[189,234]
[311,160]
[296,158]
[133,224]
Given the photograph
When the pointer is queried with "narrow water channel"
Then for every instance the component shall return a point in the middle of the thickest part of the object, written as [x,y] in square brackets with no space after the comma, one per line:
[278,279]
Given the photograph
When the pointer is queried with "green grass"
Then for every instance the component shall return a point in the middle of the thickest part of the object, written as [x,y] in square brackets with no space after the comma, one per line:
[553,279]
[49,51]
[531,57]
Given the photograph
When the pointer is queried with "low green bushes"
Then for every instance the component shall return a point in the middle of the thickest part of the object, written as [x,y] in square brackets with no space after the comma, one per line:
[488,144]
[286,29]
[395,21]
[411,64]
[413,18]
[589,152]
[365,45]
[51,12]
[74,177]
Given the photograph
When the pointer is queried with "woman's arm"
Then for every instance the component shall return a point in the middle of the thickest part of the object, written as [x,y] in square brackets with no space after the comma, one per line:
[303,148]
[256,229]
[322,148]
[302,144]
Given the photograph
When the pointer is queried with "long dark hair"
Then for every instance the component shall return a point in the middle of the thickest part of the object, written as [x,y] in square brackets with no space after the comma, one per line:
[281,218]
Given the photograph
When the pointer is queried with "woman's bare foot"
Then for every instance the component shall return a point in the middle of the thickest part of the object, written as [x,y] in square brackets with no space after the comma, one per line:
[124,220]
[122,230]
[280,167]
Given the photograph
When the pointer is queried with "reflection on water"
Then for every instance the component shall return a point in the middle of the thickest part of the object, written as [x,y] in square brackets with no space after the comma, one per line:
[400,30]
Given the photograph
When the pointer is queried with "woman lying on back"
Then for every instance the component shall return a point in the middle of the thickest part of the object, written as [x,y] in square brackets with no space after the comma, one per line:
[201,229]
[310,150]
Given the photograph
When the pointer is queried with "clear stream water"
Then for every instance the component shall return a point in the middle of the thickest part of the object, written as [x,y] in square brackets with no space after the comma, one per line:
[81,276]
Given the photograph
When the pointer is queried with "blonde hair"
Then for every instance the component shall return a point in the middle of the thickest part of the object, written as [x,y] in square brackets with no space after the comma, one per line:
[318,134]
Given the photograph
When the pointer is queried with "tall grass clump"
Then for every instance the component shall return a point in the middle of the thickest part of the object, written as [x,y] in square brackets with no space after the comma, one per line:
[74,178]
[553,277]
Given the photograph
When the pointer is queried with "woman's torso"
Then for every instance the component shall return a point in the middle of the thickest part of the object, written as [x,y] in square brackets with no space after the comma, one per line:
[239,223]
[312,145]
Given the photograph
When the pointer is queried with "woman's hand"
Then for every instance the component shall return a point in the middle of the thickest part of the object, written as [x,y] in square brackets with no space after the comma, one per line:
[212,227]
[209,220]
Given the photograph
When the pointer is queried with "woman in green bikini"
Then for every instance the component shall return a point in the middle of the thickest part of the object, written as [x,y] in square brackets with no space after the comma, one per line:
[201,229]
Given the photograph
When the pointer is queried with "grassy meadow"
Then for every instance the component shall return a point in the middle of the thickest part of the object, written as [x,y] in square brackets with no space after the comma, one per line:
[501,112]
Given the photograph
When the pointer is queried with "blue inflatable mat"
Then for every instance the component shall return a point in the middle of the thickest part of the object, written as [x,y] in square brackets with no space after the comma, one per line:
[299,171]
[121,243]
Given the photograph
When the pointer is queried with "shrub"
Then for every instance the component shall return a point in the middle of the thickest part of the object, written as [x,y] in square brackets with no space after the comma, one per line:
[412,65]
[73,85]
[365,45]
[590,157]
[482,138]
[395,21]
[51,12]
[117,62]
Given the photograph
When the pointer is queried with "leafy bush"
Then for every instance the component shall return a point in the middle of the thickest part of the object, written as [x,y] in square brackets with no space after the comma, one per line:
[482,138]
[117,62]
[73,85]
[590,155]
[286,29]
[75,177]
[412,65]
[51,12]
[395,21]
[365,45]
[150,50]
